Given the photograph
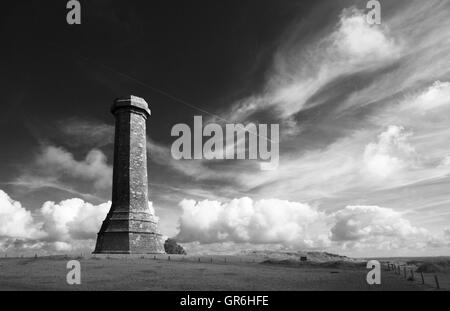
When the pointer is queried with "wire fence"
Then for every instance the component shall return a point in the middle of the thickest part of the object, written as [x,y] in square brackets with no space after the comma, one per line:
[436,280]
[216,259]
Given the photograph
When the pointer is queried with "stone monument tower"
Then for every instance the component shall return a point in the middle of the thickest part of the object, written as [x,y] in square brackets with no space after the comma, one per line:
[130,227]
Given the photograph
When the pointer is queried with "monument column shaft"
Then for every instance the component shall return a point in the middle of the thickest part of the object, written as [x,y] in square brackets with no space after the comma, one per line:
[130,187]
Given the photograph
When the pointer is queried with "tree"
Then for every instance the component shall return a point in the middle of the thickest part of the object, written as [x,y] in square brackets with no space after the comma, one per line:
[171,247]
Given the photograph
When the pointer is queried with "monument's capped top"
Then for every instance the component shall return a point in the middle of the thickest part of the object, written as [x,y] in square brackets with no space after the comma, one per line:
[132,102]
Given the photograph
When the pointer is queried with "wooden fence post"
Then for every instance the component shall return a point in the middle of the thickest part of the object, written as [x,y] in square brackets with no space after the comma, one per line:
[437,281]
[423,280]
[168,258]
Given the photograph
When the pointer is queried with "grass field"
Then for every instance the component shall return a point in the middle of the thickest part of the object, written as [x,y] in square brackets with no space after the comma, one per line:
[187,273]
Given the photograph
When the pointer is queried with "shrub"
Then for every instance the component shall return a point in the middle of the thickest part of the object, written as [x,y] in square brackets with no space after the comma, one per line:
[171,247]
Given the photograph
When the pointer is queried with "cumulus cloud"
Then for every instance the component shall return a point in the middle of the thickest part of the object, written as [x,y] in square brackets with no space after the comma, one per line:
[366,160]
[72,219]
[212,226]
[358,39]
[390,154]
[377,227]
[16,221]
[69,225]
[278,224]
[363,222]
[65,226]
[246,221]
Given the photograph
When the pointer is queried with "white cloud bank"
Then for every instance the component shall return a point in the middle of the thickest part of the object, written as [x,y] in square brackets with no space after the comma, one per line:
[16,221]
[377,228]
[71,225]
[66,226]
[294,225]
[72,219]
[244,220]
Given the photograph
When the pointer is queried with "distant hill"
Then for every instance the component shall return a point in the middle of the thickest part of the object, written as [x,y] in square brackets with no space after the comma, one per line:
[316,257]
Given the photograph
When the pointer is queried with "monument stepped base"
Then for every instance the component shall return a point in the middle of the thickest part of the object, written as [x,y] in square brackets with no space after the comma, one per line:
[129,243]
[129,256]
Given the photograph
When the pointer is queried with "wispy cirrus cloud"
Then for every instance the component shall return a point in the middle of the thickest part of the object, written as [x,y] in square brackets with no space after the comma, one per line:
[79,132]
[93,168]
[57,168]
[301,70]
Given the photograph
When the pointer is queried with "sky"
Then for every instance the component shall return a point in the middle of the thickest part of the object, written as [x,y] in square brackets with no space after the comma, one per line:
[363,111]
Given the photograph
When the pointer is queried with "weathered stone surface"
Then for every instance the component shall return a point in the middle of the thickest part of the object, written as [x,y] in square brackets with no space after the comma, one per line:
[130,227]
